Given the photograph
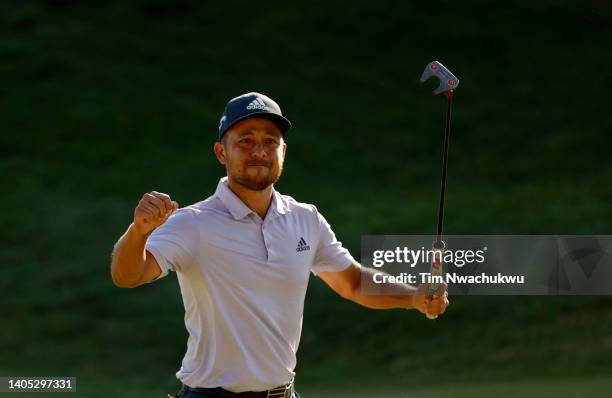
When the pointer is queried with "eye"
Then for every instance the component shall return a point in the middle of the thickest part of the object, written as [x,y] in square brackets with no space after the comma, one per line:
[271,141]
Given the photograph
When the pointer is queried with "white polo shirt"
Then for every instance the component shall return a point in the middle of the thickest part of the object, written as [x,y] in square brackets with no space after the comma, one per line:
[243,282]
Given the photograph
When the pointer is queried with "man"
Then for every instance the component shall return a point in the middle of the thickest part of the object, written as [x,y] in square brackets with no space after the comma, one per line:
[243,258]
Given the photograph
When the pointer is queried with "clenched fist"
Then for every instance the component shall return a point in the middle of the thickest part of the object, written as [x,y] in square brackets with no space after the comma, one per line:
[152,211]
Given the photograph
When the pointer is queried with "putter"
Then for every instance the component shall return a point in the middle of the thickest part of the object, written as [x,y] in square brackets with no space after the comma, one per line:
[448,83]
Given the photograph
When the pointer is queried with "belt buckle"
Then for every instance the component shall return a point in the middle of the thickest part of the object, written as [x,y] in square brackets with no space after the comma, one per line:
[285,391]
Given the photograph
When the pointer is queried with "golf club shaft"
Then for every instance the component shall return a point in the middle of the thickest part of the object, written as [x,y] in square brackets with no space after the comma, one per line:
[449,96]
[436,266]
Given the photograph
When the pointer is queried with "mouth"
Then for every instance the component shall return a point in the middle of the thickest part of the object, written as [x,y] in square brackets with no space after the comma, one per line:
[258,165]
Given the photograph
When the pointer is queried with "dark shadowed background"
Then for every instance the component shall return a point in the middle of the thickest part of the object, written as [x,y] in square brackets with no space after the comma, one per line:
[103,102]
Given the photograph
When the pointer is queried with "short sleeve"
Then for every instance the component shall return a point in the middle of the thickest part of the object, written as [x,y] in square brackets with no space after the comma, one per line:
[330,255]
[173,243]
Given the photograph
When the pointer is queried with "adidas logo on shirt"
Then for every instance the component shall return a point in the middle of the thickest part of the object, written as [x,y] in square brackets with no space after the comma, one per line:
[257,104]
[302,245]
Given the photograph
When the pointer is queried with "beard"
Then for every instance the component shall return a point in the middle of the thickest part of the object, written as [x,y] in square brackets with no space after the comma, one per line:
[256,179]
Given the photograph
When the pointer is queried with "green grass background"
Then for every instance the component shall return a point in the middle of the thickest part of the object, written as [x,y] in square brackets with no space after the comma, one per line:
[101,102]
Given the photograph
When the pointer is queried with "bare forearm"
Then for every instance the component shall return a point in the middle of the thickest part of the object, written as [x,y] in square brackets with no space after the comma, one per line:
[358,284]
[372,295]
[128,259]
[384,301]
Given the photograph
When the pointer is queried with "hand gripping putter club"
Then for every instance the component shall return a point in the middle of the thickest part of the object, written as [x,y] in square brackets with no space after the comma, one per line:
[448,83]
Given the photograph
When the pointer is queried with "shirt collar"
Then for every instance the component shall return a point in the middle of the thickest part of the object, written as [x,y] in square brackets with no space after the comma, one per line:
[239,210]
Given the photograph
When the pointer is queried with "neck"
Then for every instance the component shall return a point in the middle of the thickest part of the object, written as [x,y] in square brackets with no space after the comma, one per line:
[258,201]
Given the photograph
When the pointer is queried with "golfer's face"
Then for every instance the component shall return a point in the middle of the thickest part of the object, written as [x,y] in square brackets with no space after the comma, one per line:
[254,152]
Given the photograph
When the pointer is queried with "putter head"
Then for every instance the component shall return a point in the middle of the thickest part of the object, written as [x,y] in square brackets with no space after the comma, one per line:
[448,81]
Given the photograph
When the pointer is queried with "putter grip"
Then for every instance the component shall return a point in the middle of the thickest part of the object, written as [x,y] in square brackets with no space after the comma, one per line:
[436,270]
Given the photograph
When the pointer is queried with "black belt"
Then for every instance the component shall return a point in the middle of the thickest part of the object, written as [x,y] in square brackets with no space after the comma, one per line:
[285,391]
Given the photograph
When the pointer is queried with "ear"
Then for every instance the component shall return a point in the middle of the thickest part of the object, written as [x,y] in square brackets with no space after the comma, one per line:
[219,152]
[284,150]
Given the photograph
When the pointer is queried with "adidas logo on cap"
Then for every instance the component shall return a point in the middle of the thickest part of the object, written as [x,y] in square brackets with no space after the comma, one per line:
[257,104]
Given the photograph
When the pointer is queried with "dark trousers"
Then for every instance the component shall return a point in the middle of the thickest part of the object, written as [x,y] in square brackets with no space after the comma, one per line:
[216,393]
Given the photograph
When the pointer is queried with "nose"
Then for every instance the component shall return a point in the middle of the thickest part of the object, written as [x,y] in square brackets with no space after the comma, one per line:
[259,151]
